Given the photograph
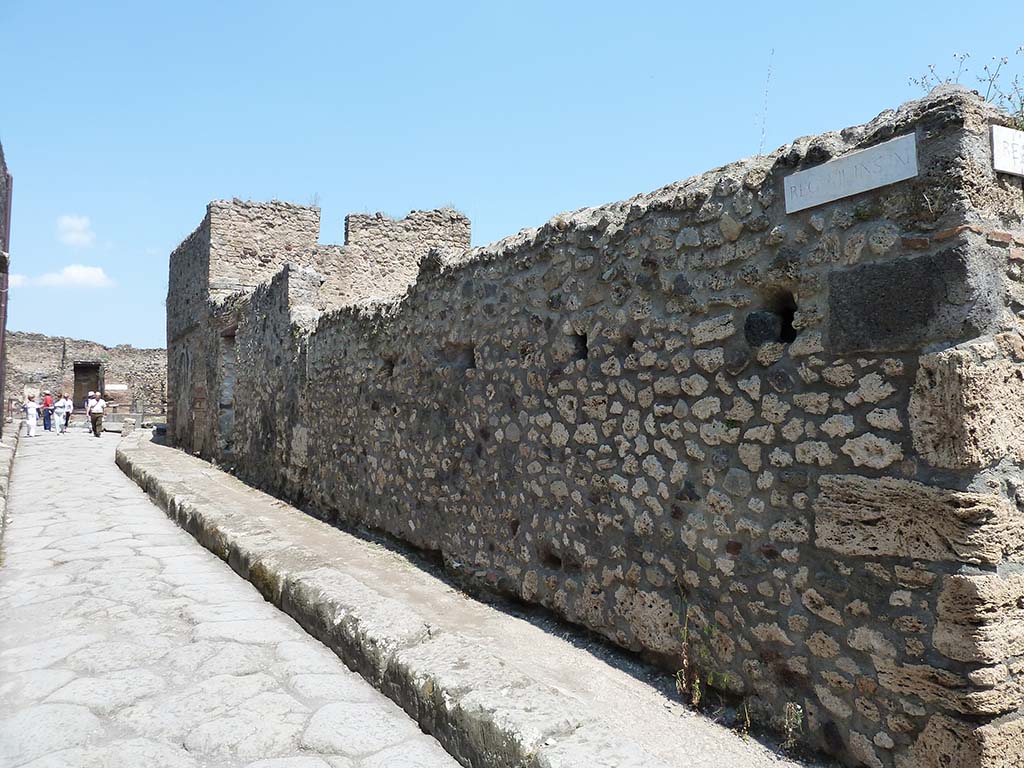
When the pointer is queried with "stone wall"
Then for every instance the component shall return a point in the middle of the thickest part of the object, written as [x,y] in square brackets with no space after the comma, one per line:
[777,452]
[36,363]
[6,185]
[6,192]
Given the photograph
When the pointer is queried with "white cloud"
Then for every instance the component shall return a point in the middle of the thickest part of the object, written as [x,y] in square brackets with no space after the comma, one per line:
[75,231]
[72,276]
[76,276]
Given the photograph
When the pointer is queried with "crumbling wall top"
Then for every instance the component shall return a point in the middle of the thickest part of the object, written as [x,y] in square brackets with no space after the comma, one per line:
[250,240]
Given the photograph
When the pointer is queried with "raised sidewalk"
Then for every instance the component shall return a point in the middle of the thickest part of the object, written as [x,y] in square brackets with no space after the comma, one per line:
[497,691]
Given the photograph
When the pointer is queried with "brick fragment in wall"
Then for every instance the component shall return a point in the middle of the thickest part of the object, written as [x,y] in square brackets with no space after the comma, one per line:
[955,295]
[965,409]
[980,618]
[891,517]
[946,742]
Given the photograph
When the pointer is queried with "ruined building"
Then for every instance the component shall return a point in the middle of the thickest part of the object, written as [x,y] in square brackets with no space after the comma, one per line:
[764,425]
[129,377]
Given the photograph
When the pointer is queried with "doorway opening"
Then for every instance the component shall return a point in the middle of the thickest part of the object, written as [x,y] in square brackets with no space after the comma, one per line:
[88,378]
[226,399]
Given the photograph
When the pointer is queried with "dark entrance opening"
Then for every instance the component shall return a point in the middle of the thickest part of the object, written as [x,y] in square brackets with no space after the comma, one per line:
[88,378]
[226,400]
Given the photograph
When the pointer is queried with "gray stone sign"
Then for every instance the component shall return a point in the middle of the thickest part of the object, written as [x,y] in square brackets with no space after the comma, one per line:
[857,172]
[1008,150]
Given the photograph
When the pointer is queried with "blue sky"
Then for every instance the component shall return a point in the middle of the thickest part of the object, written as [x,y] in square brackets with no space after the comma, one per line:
[120,120]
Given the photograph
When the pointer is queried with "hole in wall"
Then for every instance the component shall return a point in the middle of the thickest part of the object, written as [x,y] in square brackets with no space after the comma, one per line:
[580,349]
[549,558]
[513,527]
[774,321]
[461,356]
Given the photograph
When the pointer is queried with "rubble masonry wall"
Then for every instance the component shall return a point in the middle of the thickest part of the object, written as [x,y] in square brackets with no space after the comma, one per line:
[781,453]
[37,363]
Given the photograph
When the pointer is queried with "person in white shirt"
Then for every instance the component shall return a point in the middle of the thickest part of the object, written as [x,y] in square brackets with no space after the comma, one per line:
[31,413]
[86,404]
[61,409]
[95,410]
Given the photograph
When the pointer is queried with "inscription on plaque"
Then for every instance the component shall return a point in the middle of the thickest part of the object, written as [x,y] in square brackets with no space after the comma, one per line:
[878,166]
[1008,150]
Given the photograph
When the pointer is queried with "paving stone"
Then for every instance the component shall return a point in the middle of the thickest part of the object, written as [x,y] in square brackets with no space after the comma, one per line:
[291,762]
[104,695]
[355,729]
[34,685]
[418,753]
[232,612]
[262,631]
[348,687]
[128,753]
[267,724]
[34,731]
[43,653]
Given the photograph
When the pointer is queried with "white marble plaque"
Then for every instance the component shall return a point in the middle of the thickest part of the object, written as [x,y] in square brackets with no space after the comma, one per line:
[116,388]
[1008,150]
[878,166]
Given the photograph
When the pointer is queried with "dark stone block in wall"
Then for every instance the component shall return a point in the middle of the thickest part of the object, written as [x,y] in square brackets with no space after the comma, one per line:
[762,327]
[906,303]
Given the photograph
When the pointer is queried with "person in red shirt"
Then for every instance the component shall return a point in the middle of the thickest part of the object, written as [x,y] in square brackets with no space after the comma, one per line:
[47,406]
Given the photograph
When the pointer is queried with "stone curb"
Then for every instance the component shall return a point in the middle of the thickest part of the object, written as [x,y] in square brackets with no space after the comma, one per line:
[8,450]
[486,714]
[485,711]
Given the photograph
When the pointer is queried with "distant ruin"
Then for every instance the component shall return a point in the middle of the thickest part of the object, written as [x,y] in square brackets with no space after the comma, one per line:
[781,452]
[130,377]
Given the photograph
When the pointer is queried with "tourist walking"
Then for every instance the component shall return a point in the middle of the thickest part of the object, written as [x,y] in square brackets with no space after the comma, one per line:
[60,412]
[88,402]
[47,410]
[94,409]
[31,413]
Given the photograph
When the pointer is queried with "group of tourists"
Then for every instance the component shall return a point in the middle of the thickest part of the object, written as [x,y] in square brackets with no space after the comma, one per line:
[57,413]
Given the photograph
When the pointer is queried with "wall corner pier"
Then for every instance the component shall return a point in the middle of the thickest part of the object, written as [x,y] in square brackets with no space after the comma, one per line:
[780,451]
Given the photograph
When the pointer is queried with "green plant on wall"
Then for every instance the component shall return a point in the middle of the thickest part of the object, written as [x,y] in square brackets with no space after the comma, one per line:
[792,724]
[698,673]
[998,82]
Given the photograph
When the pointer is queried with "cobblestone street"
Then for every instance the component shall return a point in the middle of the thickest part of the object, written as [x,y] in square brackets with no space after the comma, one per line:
[123,642]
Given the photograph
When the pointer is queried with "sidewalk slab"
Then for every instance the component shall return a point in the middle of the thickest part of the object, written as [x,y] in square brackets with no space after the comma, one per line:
[8,448]
[496,690]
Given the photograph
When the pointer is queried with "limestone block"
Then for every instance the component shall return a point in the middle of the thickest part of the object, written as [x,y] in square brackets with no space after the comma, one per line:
[715,329]
[870,450]
[949,743]
[652,619]
[890,517]
[980,618]
[947,689]
[965,408]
